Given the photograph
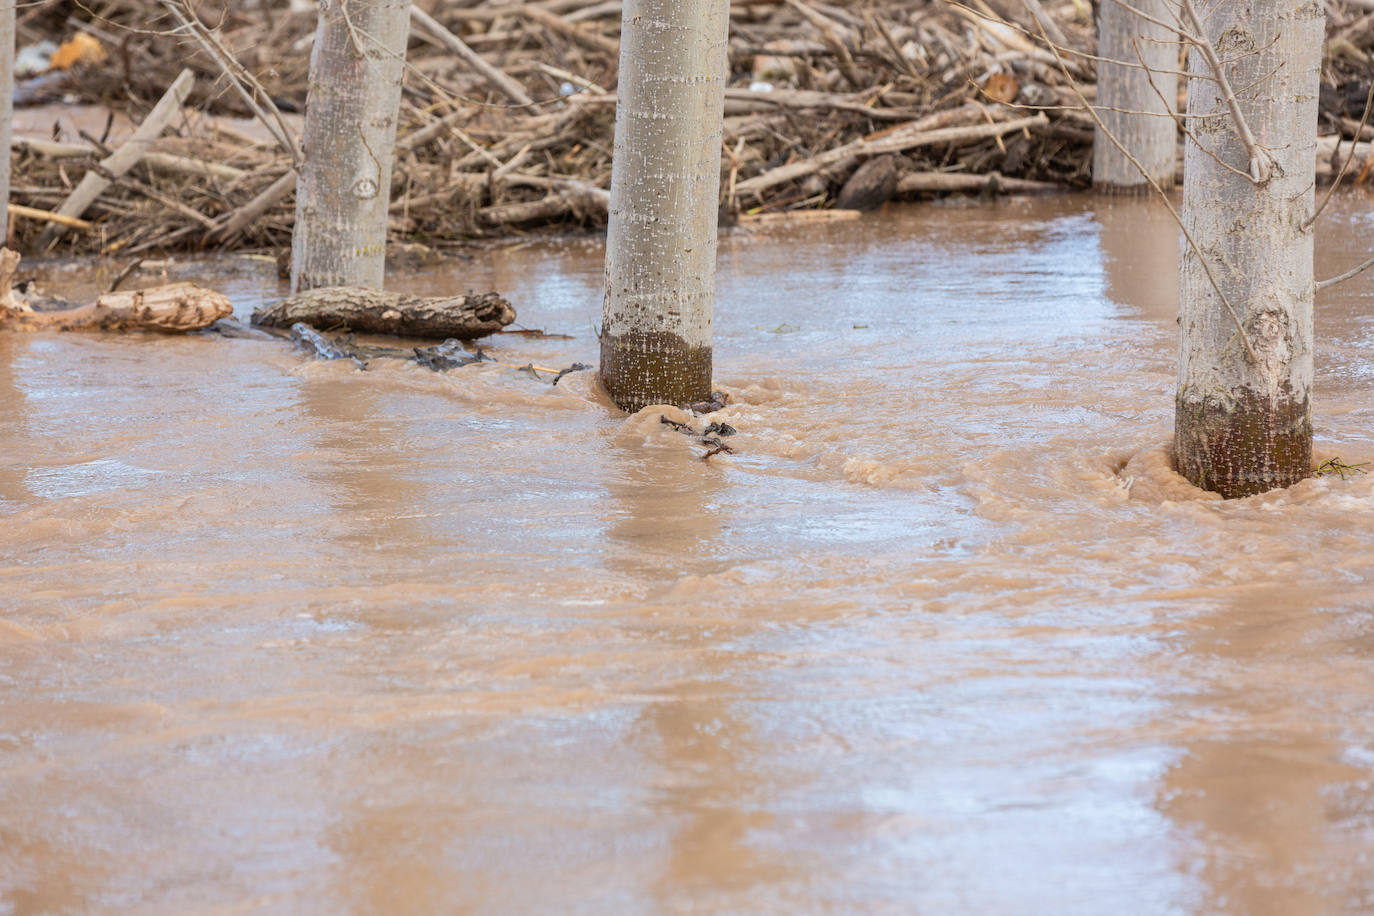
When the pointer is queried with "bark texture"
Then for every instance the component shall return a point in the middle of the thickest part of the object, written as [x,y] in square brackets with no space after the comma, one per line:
[1243,423]
[1151,138]
[375,312]
[6,109]
[349,147]
[665,187]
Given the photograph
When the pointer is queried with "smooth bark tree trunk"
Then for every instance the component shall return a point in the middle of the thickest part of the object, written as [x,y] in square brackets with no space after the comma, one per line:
[6,110]
[665,188]
[1243,422]
[1125,88]
[349,146]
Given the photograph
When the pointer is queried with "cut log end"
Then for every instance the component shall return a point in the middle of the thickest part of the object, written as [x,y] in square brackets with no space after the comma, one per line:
[871,186]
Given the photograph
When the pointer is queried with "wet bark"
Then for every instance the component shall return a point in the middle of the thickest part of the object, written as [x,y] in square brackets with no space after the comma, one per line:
[1243,422]
[1125,87]
[665,187]
[6,110]
[375,312]
[349,146]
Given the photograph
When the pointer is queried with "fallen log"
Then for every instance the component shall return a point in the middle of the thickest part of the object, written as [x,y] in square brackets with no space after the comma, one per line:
[992,182]
[167,309]
[373,311]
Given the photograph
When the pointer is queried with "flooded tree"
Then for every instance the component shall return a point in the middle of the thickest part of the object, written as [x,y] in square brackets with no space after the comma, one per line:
[6,109]
[1137,86]
[350,132]
[665,185]
[1243,412]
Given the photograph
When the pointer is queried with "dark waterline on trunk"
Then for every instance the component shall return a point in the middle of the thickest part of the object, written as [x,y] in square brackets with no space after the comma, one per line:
[945,634]
[639,369]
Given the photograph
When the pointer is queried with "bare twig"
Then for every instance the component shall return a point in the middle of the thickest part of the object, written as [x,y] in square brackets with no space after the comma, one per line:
[1261,163]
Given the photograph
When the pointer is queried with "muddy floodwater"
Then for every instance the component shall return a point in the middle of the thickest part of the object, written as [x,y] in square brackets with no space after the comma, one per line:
[944,635]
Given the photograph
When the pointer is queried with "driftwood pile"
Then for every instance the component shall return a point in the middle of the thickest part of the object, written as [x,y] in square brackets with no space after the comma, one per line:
[508,113]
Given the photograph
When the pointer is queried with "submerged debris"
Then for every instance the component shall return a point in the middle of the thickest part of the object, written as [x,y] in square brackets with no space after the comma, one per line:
[311,340]
[714,446]
[717,401]
[719,429]
[680,427]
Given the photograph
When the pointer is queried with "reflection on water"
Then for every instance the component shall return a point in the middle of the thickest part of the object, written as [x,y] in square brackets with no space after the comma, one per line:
[945,635]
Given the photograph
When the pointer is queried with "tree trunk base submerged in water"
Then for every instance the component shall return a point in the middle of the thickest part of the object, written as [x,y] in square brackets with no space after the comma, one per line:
[1248,446]
[1243,410]
[665,198]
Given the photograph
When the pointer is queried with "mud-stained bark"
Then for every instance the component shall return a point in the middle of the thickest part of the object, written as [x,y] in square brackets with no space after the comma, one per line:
[350,133]
[6,110]
[1124,88]
[661,244]
[670,369]
[375,312]
[1243,411]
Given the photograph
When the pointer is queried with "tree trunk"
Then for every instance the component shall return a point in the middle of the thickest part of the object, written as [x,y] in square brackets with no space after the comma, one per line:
[665,188]
[6,110]
[170,309]
[349,147]
[1243,414]
[1126,87]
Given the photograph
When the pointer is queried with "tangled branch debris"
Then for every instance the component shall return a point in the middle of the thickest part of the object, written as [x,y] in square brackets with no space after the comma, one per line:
[509,108]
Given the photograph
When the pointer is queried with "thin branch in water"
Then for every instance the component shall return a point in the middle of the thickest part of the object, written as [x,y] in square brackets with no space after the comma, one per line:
[1261,163]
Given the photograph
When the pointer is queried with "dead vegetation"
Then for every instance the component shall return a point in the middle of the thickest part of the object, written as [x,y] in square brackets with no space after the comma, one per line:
[508,113]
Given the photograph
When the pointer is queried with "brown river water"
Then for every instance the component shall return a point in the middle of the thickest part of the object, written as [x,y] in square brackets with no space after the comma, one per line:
[945,635]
